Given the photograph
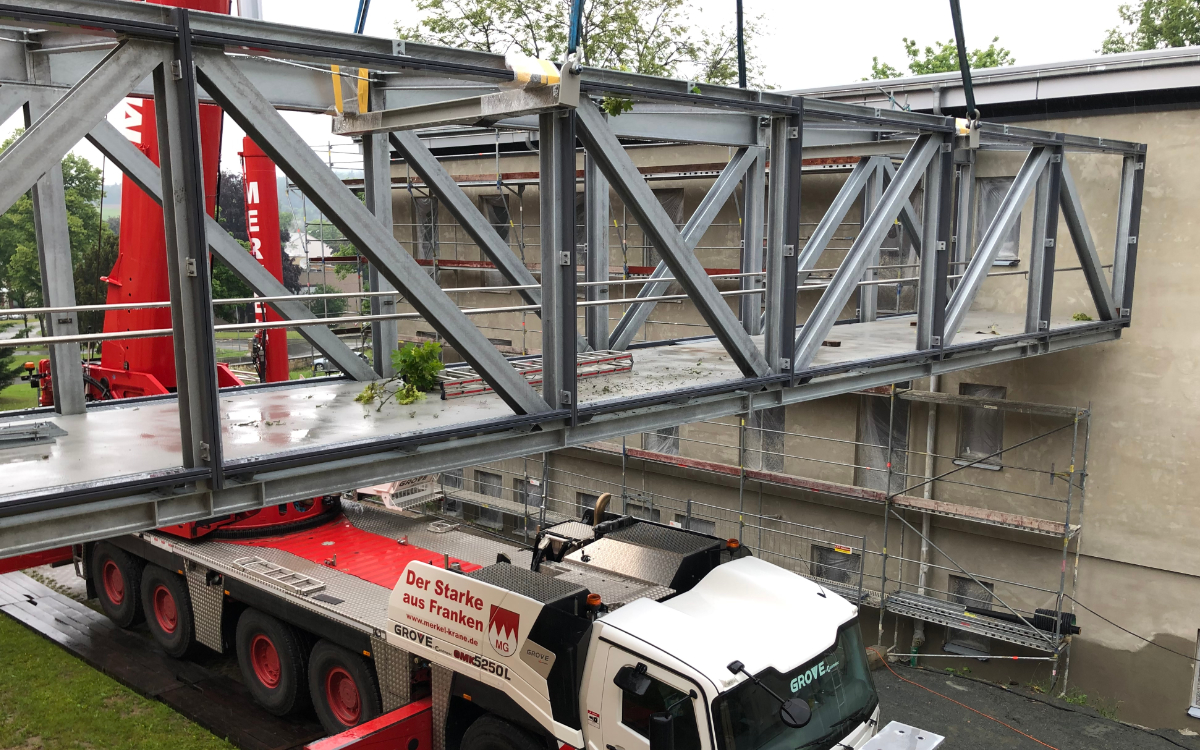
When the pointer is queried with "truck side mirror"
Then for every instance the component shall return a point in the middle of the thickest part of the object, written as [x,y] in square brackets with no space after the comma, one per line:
[795,713]
[633,680]
[662,731]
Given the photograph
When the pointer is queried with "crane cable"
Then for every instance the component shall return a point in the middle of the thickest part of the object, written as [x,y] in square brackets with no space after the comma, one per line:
[964,65]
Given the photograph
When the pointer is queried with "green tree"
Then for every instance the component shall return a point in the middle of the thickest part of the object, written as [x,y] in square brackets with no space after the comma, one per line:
[652,37]
[942,58]
[1155,24]
[93,243]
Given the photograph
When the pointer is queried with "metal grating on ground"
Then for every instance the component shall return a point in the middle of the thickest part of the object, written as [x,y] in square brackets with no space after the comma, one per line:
[537,586]
[460,381]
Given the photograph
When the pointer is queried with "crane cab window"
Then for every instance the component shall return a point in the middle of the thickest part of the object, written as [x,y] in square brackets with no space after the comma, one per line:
[661,697]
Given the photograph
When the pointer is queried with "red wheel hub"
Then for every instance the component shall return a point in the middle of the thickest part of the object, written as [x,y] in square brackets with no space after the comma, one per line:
[165,611]
[342,695]
[265,661]
[114,582]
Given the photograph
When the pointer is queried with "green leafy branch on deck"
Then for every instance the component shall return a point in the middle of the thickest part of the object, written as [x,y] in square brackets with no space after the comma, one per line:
[417,368]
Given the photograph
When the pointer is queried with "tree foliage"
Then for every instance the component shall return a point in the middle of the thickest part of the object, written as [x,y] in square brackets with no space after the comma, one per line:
[93,243]
[941,58]
[326,307]
[1155,24]
[653,37]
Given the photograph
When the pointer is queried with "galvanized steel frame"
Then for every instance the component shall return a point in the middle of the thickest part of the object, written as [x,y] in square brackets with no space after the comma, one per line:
[251,87]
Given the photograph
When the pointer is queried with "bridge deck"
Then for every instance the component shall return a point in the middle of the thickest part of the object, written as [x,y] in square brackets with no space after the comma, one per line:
[122,440]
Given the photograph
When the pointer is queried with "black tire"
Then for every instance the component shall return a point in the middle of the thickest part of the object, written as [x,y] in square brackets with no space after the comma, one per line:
[168,610]
[489,732]
[117,578]
[274,663]
[343,686]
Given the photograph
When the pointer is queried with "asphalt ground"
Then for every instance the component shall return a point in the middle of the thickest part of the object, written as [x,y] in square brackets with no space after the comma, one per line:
[1055,723]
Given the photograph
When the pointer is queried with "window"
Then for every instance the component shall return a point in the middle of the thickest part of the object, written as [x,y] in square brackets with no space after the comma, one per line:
[642,512]
[874,417]
[661,697]
[764,439]
[665,440]
[696,524]
[672,202]
[585,500]
[992,191]
[836,564]
[489,484]
[425,233]
[528,489]
[980,430]
[967,592]
[495,209]
[452,478]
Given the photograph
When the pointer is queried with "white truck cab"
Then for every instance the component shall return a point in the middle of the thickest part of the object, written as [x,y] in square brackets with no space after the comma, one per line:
[629,635]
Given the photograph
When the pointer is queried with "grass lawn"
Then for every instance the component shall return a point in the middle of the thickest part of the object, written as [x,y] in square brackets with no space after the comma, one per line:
[18,396]
[51,700]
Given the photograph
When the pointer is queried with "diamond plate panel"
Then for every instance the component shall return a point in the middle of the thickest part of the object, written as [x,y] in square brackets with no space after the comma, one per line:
[653,565]
[664,538]
[614,589]
[363,605]
[537,586]
[207,604]
[393,667]
[442,677]
[479,550]
[579,532]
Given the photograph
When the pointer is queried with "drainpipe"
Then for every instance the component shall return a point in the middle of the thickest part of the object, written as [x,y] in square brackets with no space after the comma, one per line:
[923,575]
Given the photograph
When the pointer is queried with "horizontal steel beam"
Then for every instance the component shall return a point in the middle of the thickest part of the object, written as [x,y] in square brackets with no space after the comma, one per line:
[36,525]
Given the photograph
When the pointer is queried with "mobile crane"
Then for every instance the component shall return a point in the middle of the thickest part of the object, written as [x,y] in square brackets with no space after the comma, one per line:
[606,632]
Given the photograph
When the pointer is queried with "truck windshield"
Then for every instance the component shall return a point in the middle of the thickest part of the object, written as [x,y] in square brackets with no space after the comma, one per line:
[837,686]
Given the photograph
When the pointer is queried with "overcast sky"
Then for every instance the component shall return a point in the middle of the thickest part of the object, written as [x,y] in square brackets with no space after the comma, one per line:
[805,43]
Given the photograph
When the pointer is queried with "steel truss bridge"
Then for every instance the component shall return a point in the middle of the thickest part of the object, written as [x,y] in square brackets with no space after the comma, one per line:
[143,463]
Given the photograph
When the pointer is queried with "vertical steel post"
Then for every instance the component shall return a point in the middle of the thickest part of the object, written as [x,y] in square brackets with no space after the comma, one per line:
[1129,220]
[595,189]
[1087,438]
[177,111]
[964,221]
[935,256]
[753,194]
[557,185]
[377,181]
[887,510]
[783,238]
[54,258]
[868,295]
[1066,543]
[1043,246]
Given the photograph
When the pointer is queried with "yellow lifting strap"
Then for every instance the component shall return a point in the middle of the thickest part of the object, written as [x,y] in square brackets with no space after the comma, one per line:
[363,89]
[530,72]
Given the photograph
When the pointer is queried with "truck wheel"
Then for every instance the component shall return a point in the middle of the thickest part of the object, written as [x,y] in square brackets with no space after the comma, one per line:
[117,577]
[168,607]
[493,733]
[343,686]
[271,656]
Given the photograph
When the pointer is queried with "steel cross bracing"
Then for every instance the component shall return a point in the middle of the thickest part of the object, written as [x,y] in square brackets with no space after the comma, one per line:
[77,59]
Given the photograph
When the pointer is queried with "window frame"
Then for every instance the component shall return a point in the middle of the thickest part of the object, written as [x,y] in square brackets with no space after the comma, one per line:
[963,456]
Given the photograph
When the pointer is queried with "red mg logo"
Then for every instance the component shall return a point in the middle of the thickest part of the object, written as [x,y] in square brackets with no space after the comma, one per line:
[502,630]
